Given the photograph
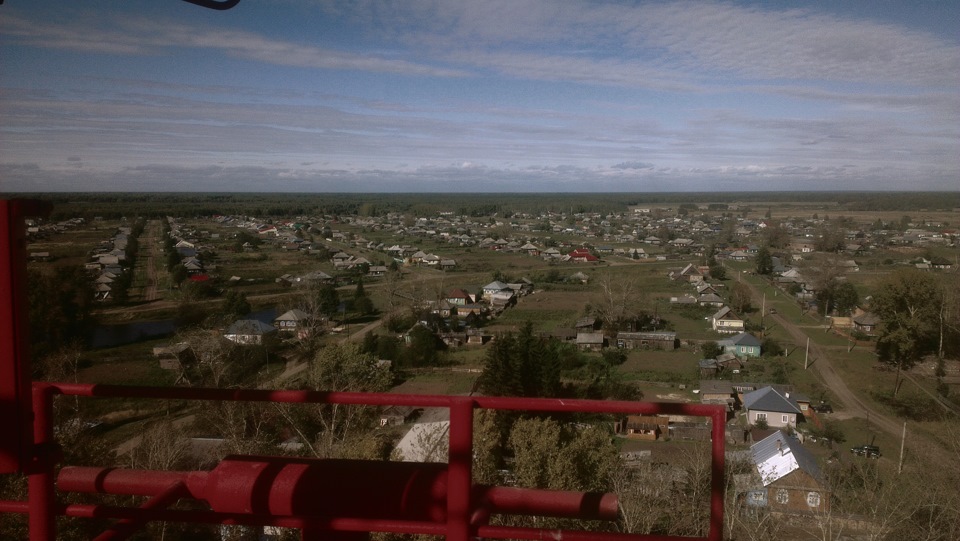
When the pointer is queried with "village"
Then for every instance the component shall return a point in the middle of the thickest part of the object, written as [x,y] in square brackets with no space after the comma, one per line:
[697,303]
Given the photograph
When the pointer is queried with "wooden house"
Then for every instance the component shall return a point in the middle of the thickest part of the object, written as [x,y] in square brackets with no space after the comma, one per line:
[647,340]
[789,478]
[646,427]
[726,321]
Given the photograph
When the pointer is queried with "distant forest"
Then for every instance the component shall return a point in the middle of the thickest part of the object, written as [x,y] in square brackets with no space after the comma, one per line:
[116,205]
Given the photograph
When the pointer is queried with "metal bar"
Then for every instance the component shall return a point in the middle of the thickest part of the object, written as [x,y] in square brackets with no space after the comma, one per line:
[124,528]
[539,534]
[40,480]
[386,399]
[213,517]
[548,503]
[460,467]
[127,481]
[254,395]
[15,399]
[498,500]
[718,437]
[14,506]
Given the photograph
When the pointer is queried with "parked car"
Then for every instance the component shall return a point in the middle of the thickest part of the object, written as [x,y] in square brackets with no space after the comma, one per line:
[869,451]
[772,311]
[823,407]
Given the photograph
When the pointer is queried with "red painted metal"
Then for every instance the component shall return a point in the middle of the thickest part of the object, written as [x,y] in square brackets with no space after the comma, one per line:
[288,486]
[40,481]
[461,469]
[16,444]
[124,528]
[233,502]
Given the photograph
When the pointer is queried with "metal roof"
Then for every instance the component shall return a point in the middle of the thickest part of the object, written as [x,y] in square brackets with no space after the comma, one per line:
[778,455]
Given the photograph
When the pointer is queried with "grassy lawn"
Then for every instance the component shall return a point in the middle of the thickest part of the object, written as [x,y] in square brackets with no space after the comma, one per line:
[442,381]
[677,366]
[548,310]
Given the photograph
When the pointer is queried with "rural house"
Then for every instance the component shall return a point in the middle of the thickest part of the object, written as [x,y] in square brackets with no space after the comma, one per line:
[726,321]
[767,404]
[788,477]
[741,345]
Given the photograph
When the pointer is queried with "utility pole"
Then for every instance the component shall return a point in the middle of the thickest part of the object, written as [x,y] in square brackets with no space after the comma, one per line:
[903,439]
[806,355]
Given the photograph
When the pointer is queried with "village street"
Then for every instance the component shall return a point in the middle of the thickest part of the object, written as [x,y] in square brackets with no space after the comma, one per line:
[821,365]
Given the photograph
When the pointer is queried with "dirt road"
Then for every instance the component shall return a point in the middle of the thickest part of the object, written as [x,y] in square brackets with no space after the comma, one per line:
[151,238]
[822,366]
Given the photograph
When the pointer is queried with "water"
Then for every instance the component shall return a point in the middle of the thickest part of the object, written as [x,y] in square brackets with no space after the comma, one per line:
[107,336]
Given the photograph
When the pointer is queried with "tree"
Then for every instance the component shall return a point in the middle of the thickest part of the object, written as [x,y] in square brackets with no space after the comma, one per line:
[764,261]
[845,298]
[620,299]
[361,302]
[335,430]
[740,297]
[838,297]
[830,238]
[423,349]
[562,457]
[209,356]
[60,306]
[521,365]
[776,236]
[235,305]
[717,271]
[908,303]
[328,300]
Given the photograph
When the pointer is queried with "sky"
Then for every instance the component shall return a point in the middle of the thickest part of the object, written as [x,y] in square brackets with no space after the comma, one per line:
[479,96]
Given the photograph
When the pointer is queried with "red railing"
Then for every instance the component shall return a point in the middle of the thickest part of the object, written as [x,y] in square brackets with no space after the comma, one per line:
[445,503]
[324,499]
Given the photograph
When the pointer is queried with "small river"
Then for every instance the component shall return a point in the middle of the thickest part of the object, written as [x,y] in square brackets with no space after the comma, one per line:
[108,336]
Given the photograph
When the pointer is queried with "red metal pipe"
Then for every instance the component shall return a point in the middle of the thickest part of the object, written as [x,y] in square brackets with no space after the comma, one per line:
[460,469]
[127,527]
[124,481]
[14,506]
[213,517]
[387,399]
[549,503]
[539,534]
[290,486]
[16,449]
[40,481]
[717,487]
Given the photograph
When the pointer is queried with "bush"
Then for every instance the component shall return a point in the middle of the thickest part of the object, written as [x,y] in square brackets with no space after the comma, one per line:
[771,348]
[710,349]
[397,323]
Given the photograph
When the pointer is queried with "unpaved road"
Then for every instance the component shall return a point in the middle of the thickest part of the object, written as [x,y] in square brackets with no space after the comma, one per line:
[152,239]
[823,367]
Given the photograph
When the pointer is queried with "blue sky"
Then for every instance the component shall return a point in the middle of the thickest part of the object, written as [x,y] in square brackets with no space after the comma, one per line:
[491,96]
